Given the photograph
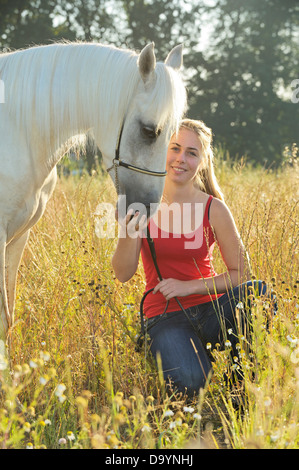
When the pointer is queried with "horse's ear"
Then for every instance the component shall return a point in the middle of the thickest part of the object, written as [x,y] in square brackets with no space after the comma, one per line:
[175,57]
[147,62]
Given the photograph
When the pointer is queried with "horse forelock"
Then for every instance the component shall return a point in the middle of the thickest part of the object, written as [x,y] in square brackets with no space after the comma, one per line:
[167,99]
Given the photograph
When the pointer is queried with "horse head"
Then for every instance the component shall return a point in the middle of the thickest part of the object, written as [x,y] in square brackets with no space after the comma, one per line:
[153,115]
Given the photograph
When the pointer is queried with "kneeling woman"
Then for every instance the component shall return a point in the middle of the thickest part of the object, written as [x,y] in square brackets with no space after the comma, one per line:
[191,218]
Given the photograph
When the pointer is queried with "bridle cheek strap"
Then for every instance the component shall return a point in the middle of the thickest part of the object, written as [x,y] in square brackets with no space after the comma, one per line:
[118,162]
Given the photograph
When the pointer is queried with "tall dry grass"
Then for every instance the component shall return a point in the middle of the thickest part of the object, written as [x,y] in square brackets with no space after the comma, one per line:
[74,365]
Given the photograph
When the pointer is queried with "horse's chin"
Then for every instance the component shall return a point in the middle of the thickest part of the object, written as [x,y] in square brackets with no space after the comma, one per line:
[125,203]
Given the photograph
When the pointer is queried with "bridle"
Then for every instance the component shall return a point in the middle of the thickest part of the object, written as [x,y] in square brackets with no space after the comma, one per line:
[118,162]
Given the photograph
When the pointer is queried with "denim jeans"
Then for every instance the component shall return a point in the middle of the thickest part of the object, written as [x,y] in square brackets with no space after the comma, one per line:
[185,369]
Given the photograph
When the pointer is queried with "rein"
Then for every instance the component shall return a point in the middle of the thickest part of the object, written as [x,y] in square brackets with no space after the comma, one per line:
[143,331]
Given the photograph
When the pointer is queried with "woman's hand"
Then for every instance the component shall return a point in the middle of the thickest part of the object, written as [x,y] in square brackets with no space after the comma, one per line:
[131,225]
[173,288]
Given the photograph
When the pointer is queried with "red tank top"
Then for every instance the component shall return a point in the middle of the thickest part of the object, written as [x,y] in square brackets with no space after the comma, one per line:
[179,256]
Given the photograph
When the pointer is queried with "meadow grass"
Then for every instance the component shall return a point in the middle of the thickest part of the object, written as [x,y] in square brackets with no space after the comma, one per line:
[73,360]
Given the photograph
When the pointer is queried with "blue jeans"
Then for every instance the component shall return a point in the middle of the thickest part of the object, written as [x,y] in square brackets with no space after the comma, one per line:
[185,369]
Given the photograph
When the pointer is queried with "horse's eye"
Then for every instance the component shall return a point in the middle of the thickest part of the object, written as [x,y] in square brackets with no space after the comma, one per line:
[150,133]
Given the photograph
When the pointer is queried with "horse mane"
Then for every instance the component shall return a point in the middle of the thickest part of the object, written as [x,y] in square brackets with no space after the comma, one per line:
[51,89]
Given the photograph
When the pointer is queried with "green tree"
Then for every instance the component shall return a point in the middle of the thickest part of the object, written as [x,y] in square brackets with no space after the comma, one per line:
[252,52]
[29,22]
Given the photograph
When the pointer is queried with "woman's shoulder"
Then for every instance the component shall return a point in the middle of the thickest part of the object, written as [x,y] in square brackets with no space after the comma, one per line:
[219,212]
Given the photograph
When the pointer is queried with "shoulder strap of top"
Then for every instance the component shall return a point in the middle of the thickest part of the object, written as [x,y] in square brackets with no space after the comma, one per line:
[207,209]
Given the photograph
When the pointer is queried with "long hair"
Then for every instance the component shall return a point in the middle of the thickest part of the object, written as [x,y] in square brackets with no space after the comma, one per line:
[205,178]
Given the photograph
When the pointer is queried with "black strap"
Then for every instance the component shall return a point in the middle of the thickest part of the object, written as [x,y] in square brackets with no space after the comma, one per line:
[140,339]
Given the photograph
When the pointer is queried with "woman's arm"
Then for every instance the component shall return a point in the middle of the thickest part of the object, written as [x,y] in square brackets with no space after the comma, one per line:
[233,254]
[126,256]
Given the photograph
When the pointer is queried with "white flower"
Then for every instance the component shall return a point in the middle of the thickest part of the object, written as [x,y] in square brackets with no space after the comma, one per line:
[29,445]
[275,435]
[292,339]
[197,416]
[60,389]
[168,413]
[70,436]
[62,441]
[43,380]
[259,432]
[45,356]
[228,343]
[47,421]
[267,401]
[59,392]
[240,305]
[146,428]
[33,364]
[230,331]
[188,409]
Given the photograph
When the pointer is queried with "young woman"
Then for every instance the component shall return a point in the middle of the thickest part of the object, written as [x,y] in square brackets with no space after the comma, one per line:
[191,218]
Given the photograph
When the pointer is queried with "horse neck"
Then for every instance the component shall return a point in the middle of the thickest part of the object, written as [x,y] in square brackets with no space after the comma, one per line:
[71,88]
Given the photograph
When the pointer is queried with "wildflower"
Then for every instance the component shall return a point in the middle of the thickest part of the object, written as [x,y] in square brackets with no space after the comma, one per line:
[59,392]
[47,421]
[27,427]
[228,343]
[168,413]
[259,432]
[33,364]
[150,399]
[292,339]
[267,401]
[208,345]
[188,409]
[230,331]
[51,372]
[45,356]
[81,402]
[197,416]
[62,441]
[70,435]
[112,439]
[43,380]
[31,410]
[146,428]
[29,445]
[240,305]
[274,436]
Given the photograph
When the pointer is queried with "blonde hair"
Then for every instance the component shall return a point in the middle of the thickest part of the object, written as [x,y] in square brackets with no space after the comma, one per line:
[205,178]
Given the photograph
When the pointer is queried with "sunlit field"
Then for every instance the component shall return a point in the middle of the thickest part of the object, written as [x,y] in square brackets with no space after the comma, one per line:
[74,367]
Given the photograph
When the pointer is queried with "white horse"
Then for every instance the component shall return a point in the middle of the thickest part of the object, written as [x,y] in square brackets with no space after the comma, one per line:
[55,92]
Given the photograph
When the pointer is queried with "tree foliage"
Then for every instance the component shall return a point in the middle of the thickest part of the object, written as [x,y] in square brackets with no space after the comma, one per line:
[240,55]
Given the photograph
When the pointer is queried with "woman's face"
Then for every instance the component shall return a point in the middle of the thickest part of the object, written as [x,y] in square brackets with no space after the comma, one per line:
[183,156]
